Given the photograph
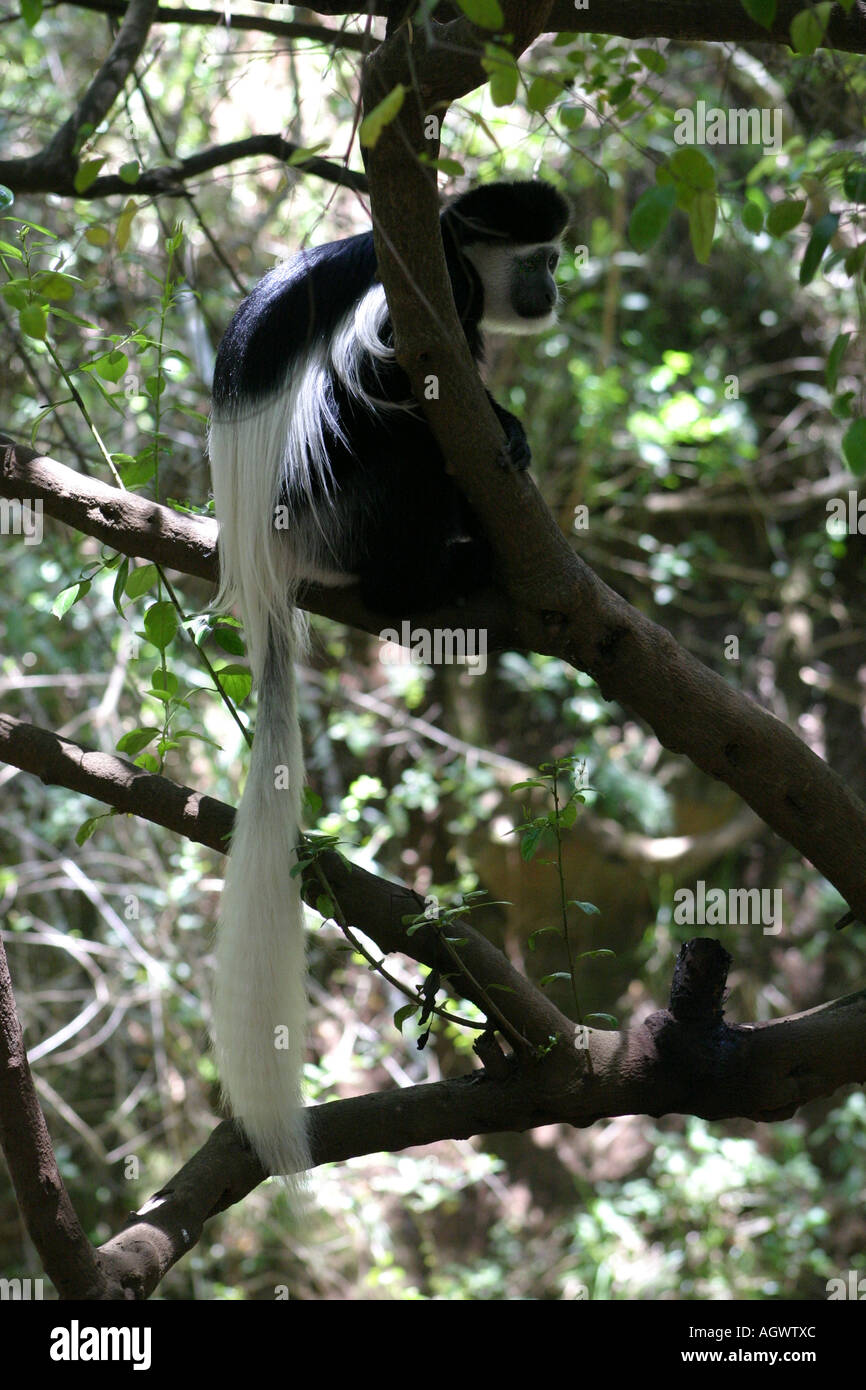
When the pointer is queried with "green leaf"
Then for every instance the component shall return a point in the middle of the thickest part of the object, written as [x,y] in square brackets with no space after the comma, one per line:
[822,233]
[504,74]
[86,829]
[763,12]
[67,597]
[487,14]
[33,321]
[854,185]
[855,260]
[543,91]
[135,472]
[403,1014]
[557,975]
[229,639]
[136,739]
[55,285]
[87,173]
[325,905]
[124,225]
[147,762]
[702,225]
[809,26]
[691,167]
[595,955]
[166,683]
[381,116]
[112,366]
[572,117]
[605,1018]
[834,360]
[31,12]
[529,843]
[650,216]
[753,218]
[7,197]
[451,167]
[540,932]
[589,909]
[160,624]
[305,152]
[236,681]
[784,216]
[656,62]
[131,172]
[141,580]
[854,447]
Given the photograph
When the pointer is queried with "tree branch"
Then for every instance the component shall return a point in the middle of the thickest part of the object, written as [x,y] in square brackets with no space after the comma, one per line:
[231,20]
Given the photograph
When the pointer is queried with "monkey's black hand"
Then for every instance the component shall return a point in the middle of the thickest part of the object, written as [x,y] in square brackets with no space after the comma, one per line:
[517,454]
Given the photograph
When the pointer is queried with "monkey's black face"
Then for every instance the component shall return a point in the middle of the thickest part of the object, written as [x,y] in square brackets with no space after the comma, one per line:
[517,285]
[533,288]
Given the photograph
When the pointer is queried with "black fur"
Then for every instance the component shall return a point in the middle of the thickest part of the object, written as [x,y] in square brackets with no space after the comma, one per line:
[384,509]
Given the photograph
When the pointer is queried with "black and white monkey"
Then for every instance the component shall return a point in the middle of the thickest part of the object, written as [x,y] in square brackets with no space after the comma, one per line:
[325,469]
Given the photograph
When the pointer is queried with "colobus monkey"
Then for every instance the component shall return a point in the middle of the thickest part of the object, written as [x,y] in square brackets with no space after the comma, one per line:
[324,469]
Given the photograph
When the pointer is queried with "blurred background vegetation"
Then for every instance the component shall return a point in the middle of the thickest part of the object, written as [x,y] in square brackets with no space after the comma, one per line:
[707,510]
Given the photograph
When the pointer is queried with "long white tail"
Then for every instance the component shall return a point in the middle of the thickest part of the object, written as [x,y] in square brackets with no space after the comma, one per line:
[260,1002]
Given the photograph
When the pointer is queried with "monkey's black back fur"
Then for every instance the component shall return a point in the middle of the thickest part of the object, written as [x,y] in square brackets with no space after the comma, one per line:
[371,498]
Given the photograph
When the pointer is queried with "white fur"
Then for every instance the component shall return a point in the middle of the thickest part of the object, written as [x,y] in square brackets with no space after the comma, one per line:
[260,997]
[494,265]
[257,457]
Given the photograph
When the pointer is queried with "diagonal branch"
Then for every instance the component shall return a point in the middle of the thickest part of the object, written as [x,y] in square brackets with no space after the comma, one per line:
[243,23]
[62,150]
[560,605]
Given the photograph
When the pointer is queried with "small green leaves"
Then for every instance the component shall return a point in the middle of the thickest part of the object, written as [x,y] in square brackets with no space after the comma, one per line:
[33,321]
[822,233]
[160,624]
[487,14]
[541,932]
[381,116]
[752,217]
[87,173]
[136,739]
[503,72]
[809,27]
[543,91]
[834,360]
[650,216]
[67,597]
[763,12]
[236,681]
[557,975]
[854,447]
[140,580]
[784,216]
[854,185]
[31,12]
[403,1014]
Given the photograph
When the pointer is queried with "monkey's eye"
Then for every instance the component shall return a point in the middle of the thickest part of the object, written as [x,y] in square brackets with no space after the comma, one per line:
[553,260]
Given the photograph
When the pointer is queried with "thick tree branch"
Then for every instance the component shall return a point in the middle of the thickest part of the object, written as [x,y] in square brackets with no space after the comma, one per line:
[68,1257]
[723,21]
[684,1059]
[560,605]
[561,608]
[225,18]
[32,175]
